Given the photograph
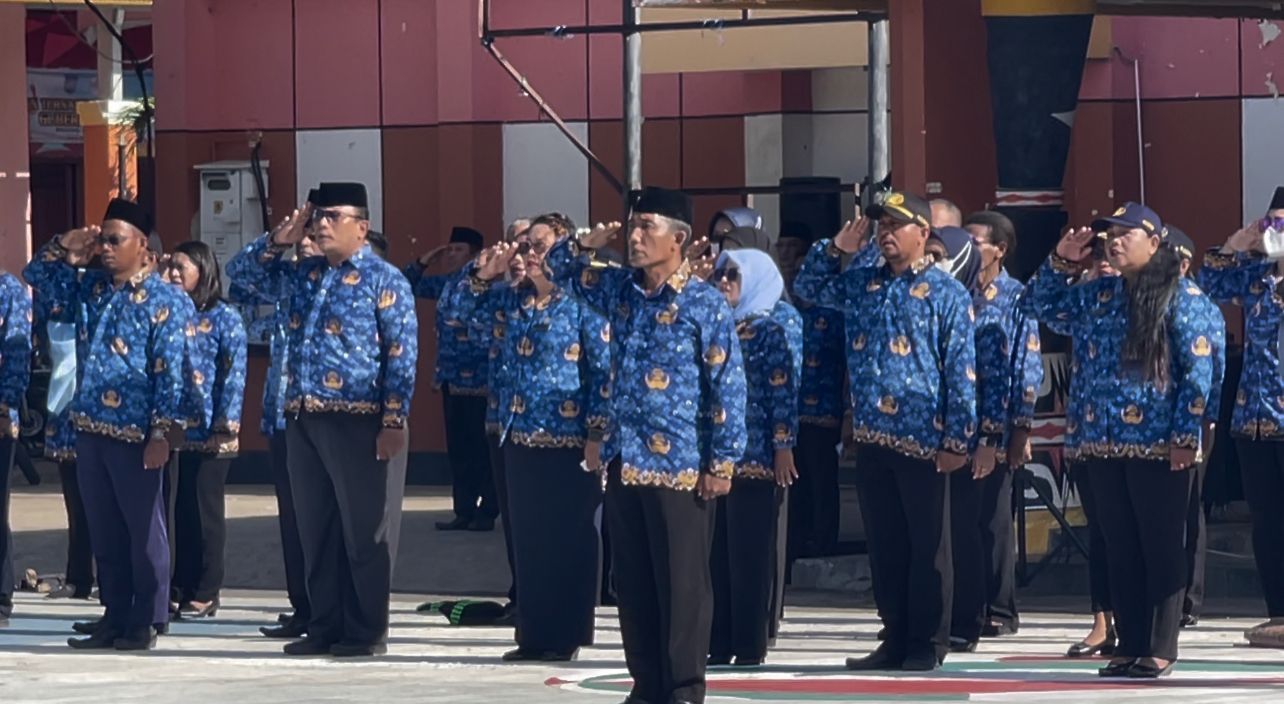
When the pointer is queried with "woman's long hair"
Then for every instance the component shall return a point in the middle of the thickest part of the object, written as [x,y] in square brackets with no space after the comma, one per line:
[209,285]
[1150,295]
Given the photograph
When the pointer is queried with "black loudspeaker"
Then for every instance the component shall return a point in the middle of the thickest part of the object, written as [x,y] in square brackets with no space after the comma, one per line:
[819,207]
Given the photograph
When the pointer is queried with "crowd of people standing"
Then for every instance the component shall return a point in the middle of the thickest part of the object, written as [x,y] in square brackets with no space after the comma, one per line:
[676,410]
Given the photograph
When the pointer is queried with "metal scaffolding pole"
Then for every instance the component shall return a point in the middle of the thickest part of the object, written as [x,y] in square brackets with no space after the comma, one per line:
[880,147]
[632,101]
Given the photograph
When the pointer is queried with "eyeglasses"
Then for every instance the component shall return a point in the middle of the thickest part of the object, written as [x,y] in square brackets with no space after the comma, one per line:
[332,214]
[731,276]
[112,240]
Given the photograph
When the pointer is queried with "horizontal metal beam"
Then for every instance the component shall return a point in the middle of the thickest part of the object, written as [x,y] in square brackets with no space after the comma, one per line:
[789,189]
[710,25]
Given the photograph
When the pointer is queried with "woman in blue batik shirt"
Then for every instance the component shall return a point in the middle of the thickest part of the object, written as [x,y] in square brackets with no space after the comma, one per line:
[217,354]
[1147,373]
[554,358]
[745,545]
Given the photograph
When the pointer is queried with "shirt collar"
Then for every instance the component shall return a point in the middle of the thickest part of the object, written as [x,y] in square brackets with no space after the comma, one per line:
[916,269]
[677,281]
[355,260]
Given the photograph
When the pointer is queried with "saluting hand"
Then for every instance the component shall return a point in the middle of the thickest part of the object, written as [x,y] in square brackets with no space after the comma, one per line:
[600,235]
[701,259]
[290,231]
[1246,239]
[1076,244]
[852,237]
[495,260]
[389,443]
[81,244]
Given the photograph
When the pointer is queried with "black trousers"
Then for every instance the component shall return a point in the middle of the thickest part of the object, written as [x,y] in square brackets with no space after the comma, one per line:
[1196,540]
[968,614]
[906,507]
[473,487]
[552,505]
[80,556]
[8,579]
[1142,505]
[660,542]
[296,583]
[814,498]
[1262,465]
[501,492]
[743,568]
[200,526]
[779,564]
[998,547]
[348,505]
[1098,559]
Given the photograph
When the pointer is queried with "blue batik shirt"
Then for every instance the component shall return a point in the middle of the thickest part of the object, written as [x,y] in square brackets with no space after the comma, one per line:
[253,288]
[1124,414]
[15,348]
[771,345]
[1252,282]
[60,431]
[679,390]
[911,351]
[132,379]
[1009,365]
[352,333]
[553,354]
[463,349]
[218,355]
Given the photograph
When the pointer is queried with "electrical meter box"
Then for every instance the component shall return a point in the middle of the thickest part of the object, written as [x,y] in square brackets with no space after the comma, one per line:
[231,217]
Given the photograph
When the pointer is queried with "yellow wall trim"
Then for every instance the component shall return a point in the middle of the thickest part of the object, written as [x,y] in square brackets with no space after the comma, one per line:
[1026,8]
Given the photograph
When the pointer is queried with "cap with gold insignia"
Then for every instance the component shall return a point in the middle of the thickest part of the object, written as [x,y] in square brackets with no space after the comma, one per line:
[1180,242]
[904,208]
[1132,216]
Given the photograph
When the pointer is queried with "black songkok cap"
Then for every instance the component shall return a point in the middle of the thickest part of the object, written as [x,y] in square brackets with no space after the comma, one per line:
[466,235]
[663,201]
[340,193]
[130,212]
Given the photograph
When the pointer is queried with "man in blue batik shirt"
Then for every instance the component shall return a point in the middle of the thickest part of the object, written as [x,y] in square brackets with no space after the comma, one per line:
[354,341]
[912,377]
[463,351]
[679,414]
[15,374]
[129,404]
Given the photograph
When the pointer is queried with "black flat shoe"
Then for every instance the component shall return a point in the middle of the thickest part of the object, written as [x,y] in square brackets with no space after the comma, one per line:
[921,662]
[996,630]
[285,630]
[1144,671]
[881,659]
[1117,669]
[1189,621]
[284,618]
[87,628]
[718,660]
[749,662]
[962,645]
[139,639]
[882,633]
[1084,649]
[456,523]
[358,650]
[308,646]
[189,610]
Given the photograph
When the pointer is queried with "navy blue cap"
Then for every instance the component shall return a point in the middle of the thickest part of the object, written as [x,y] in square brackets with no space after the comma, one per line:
[1180,242]
[1133,216]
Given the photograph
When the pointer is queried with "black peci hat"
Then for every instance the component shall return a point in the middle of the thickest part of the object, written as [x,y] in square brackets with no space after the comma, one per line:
[341,193]
[468,236]
[664,201]
[130,212]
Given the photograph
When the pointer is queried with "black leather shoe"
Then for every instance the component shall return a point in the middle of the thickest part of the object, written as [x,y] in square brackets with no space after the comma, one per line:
[1117,669]
[962,645]
[481,525]
[455,524]
[524,655]
[881,659]
[308,646]
[87,628]
[882,633]
[1189,620]
[749,662]
[190,610]
[102,639]
[358,650]
[284,618]
[1084,649]
[925,661]
[1149,670]
[138,639]
[718,660]
[285,630]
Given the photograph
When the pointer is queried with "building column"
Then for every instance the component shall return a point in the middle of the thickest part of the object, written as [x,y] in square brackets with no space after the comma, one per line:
[15,175]
[1037,50]
[909,94]
[111,155]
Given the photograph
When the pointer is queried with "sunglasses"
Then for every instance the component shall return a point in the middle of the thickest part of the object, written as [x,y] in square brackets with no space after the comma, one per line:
[1276,224]
[731,276]
[332,214]
[112,240]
